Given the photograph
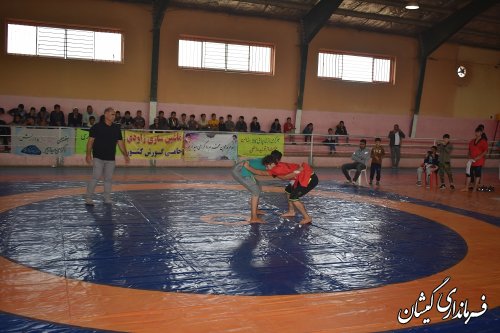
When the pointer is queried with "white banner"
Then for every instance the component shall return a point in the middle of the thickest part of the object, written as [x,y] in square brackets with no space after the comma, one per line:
[43,141]
[211,146]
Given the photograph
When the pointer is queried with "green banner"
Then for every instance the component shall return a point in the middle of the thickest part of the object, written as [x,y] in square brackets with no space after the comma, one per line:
[82,136]
[259,145]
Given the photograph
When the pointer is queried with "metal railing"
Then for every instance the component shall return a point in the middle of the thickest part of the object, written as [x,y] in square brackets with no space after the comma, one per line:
[295,144]
[314,146]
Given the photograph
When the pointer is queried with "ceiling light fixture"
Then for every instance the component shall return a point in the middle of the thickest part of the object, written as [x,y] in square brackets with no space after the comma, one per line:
[412,5]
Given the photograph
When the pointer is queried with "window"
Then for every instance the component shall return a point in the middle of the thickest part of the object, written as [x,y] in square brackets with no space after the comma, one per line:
[67,43]
[225,56]
[358,68]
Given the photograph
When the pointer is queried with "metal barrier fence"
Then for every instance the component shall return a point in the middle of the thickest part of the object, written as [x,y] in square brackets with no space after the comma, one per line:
[314,145]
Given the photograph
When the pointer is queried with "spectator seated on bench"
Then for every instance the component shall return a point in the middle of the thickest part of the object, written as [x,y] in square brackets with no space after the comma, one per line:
[429,166]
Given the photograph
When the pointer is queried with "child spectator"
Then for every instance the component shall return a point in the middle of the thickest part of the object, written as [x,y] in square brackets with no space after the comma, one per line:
[377,154]
[18,120]
[42,116]
[5,120]
[75,118]
[213,123]
[192,123]
[288,128]
[241,125]
[431,164]
[203,123]
[445,148]
[173,122]
[162,121]
[30,121]
[330,141]
[308,130]
[57,116]
[31,114]
[255,126]
[118,118]
[229,123]
[183,124]
[139,121]
[91,121]
[126,121]
[155,125]
[222,124]
[340,129]
[19,111]
[275,126]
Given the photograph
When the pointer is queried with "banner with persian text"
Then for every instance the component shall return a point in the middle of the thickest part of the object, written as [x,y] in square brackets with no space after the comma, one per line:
[210,146]
[43,141]
[142,145]
[259,145]
[82,136]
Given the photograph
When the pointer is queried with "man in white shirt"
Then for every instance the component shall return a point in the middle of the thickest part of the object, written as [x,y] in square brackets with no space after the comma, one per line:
[87,114]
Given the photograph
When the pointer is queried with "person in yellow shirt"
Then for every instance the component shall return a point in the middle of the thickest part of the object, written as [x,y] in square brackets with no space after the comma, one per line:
[213,123]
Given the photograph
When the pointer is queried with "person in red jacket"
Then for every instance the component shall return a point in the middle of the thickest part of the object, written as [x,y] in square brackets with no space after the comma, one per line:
[478,147]
[288,128]
[302,181]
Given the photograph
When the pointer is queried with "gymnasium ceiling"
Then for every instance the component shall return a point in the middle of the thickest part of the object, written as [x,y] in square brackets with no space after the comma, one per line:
[384,16]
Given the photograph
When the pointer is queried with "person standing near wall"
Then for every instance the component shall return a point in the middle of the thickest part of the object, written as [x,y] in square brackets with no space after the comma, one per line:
[101,148]
[396,137]
[478,148]
[445,148]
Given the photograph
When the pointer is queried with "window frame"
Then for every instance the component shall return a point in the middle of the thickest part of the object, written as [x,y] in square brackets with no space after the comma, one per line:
[392,71]
[66,27]
[227,42]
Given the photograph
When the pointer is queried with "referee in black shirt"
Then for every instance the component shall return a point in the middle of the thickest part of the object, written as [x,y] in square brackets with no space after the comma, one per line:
[101,148]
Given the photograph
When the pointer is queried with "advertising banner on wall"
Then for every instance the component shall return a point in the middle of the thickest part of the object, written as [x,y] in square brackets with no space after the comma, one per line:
[43,141]
[81,138]
[210,146]
[142,145]
[259,145]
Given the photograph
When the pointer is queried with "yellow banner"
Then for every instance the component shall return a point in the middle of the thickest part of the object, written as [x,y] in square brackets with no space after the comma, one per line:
[141,145]
[259,145]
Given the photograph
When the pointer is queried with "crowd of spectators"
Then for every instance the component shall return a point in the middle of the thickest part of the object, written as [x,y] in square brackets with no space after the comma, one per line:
[20,117]
[43,118]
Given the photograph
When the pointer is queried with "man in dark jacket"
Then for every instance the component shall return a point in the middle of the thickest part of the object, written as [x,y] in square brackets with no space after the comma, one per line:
[395,136]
